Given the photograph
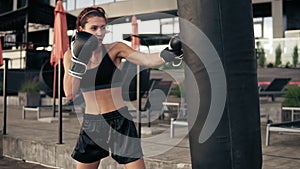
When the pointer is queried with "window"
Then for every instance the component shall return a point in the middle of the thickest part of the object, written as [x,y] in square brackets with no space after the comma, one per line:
[98,2]
[169,26]
[69,5]
[263,27]
[151,26]
[83,3]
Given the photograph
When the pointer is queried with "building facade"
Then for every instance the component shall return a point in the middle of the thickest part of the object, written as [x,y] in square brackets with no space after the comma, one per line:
[273,20]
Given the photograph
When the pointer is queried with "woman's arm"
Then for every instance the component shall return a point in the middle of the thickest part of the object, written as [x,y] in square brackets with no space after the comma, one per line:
[121,50]
[71,84]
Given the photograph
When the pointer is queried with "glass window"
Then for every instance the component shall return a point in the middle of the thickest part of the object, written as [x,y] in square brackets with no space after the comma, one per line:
[97,2]
[167,21]
[69,5]
[263,27]
[176,27]
[167,29]
[151,26]
[169,26]
[258,30]
[109,35]
[83,3]
[257,19]
[119,29]
[268,27]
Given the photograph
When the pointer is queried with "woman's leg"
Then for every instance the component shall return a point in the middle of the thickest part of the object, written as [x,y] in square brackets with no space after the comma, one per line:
[138,164]
[93,165]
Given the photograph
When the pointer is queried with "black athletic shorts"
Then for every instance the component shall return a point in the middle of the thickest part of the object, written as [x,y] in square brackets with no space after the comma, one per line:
[113,132]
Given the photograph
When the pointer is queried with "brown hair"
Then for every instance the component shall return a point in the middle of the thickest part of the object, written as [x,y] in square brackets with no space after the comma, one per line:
[87,13]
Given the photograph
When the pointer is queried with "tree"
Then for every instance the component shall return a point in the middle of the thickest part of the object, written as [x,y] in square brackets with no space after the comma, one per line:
[278,52]
[261,55]
[295,56]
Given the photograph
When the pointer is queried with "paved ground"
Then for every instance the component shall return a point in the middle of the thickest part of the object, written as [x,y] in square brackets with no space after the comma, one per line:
[156,147]
[283,152]
[268,74]
[264,74]
[9,163]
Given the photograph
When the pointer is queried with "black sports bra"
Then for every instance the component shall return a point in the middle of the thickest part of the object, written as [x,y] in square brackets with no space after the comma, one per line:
[104,76]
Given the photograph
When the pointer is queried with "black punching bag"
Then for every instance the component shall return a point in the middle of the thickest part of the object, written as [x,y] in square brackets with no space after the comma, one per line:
[221,83]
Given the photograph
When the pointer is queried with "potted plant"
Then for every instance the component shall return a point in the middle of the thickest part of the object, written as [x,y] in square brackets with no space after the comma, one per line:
[29,94]
[291,100]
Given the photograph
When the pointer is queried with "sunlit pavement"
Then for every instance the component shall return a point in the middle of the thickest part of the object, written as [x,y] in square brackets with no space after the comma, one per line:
[283,152]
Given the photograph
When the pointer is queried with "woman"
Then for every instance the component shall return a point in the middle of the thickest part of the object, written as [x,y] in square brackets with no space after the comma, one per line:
[94,69]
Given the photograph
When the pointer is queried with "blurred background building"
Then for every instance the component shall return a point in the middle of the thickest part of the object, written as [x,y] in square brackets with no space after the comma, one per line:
[26,26]
[273,19]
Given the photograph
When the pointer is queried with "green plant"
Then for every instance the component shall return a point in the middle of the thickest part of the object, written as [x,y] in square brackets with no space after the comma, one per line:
[30,86]
[261,55]
[278,53]
[295,56]
[178,90]
[270,65]
[287,64]
[292,96]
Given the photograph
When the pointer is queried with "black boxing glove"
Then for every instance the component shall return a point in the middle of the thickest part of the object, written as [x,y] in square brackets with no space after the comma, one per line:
[82,46]
[173,53]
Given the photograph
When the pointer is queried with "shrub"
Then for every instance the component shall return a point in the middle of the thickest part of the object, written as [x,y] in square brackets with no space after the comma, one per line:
[30,86]
[178,90]
[292,96]
[278,53]
[295,56]
[261,55]
[287,64]
[270,65]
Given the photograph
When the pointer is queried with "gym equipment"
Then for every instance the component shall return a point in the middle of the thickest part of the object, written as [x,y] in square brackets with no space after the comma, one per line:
[221,82]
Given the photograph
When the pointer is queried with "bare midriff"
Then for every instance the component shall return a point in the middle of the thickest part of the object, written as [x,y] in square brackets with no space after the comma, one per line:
[103,101]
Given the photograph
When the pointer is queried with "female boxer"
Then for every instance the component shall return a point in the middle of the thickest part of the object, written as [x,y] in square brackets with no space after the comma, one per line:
[94,68]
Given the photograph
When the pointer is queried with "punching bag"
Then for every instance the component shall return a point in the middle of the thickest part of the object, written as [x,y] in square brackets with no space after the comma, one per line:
[221,83]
